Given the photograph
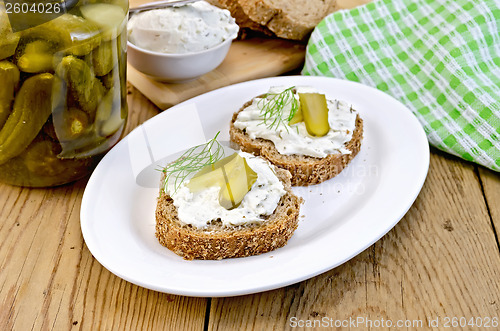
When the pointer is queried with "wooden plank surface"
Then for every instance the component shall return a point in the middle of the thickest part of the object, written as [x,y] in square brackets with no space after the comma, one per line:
[490,182]
[441,260]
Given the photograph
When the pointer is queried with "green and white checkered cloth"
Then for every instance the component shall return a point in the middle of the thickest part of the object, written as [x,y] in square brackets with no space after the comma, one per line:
[441,58]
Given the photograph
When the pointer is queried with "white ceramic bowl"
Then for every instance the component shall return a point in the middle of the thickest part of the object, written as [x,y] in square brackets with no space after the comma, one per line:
[176,68]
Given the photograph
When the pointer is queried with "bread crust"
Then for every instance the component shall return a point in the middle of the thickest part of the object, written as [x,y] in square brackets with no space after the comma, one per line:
[305,170]
[288,19]
[217,242]
[243,21]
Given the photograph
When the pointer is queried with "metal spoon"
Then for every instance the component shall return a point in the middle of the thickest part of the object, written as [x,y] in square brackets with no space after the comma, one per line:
[160,4]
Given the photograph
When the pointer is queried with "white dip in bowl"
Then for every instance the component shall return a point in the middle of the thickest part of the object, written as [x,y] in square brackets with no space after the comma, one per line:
[190,28]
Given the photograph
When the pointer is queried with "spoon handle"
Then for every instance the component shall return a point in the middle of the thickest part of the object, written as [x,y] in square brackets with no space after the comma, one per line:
[160,4]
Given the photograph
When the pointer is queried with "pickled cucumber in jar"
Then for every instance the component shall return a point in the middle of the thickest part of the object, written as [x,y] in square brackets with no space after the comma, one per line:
[8,38]
[63,97]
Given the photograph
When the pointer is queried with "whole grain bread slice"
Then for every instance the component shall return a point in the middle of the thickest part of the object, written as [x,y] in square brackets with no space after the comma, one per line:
[219,242]
[243,21]
[305,170]
[288,19]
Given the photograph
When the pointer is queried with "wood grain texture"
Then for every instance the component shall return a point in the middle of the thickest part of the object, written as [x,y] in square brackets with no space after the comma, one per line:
[491,188]
[440,260]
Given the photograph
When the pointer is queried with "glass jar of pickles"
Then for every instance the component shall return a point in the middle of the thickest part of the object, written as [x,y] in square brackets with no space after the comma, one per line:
[62,87]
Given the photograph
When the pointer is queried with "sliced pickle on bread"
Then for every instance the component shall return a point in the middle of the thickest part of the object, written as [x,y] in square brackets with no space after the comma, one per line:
[217,241]
[232,174]
[314,110]
[239,180]
[207,226]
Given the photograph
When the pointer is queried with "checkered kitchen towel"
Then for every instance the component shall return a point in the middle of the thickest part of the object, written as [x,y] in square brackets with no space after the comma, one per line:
[441,58]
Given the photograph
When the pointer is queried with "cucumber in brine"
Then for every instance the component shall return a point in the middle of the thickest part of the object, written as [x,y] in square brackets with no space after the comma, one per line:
[32,107]
[9,81]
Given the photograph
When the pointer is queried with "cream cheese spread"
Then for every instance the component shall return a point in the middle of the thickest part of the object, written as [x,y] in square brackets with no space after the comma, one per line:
[294,139]
[190,28]
[198,209]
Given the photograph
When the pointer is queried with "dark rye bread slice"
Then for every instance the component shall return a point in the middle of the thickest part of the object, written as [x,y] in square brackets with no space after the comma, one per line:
[288,19]
[243,21]
[218,242]
[305,170]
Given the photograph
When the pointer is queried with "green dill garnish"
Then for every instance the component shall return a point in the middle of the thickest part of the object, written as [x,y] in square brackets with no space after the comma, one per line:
[273,105]
[193,160]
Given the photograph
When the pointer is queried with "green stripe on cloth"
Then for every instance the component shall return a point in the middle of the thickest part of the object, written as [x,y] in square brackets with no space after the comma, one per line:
[441,58]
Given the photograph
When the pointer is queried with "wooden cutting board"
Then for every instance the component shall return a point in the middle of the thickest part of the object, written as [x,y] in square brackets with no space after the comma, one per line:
[247,59]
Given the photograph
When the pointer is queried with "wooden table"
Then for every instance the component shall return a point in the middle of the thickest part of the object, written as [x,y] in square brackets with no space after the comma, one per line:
[441,260]
[440,263]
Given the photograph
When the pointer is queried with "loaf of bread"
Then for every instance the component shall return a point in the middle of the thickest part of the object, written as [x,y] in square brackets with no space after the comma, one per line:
[288,19]
[219,242]
[305,170]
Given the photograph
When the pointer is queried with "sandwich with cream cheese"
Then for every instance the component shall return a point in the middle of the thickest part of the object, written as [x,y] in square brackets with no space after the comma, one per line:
[212,207]
[300,130]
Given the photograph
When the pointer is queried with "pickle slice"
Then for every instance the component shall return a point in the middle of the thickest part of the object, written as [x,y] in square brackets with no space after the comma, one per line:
[9,81]
[239,180]
[214,166]
[315,113]
[72,34]
[211,175]
[32,107]
[232,174]
[110,18]
[212,178]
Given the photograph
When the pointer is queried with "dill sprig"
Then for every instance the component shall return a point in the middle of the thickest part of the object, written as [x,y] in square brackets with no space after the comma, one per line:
[193,160]
[273,105]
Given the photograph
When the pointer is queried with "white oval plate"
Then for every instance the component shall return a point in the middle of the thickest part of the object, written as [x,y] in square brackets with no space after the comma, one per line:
[339,219]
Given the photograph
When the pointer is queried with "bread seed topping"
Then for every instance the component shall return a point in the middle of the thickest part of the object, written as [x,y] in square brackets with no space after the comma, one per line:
[294,139]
